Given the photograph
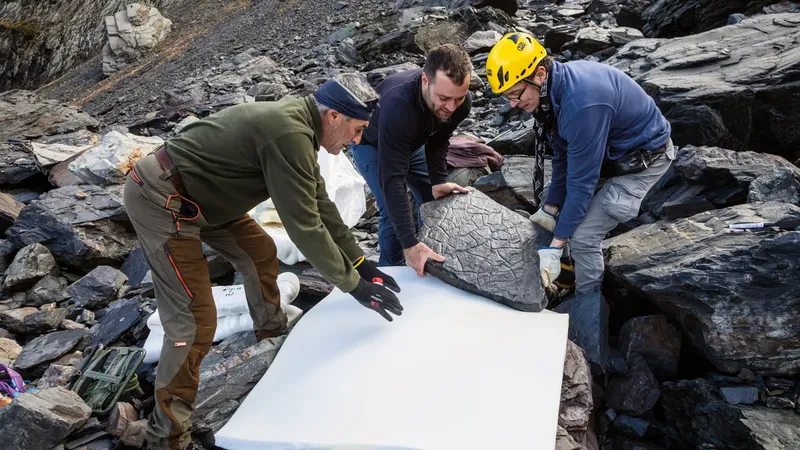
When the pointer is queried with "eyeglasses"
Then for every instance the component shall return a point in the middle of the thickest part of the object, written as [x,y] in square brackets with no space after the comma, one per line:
[518,98]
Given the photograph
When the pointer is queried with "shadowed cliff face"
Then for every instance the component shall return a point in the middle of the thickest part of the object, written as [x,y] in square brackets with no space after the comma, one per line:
[39,40]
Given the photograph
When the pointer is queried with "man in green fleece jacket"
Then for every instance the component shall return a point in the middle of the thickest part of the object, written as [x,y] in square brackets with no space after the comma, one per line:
[199,186]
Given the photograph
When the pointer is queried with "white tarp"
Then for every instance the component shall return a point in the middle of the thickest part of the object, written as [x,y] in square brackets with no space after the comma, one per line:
[345,187]
[233,315]
[455,371]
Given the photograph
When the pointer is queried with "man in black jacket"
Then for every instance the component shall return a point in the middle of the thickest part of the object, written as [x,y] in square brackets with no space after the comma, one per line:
[405,145]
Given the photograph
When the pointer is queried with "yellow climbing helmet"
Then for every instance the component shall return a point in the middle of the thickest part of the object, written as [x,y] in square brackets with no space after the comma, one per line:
[512,58]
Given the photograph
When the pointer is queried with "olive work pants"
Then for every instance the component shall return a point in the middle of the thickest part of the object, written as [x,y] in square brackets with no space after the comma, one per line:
[171,229]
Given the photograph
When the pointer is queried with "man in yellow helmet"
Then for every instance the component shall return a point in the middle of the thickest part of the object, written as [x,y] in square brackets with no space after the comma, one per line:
[599,123]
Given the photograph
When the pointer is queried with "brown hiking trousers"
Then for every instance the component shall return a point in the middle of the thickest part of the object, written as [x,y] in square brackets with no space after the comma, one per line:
[170,228]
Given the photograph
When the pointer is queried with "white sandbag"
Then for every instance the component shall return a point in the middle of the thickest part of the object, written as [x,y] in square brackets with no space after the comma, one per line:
[345,187]
[233,314]
[454,371]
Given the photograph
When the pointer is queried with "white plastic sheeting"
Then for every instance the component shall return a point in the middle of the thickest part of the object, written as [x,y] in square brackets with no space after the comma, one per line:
[345,186]
[455,371]
[233,315]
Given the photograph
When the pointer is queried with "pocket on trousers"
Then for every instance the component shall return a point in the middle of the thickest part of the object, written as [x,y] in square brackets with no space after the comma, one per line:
[619,203]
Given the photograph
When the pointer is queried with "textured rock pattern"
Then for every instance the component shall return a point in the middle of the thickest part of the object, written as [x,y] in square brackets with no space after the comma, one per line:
[734,293]
[744,74]
[63,33]
[23,115]
[704,420]
[489,249]
[576,394]
[30,264]
[82,226]
[42,418]
[111,160]
[132,32]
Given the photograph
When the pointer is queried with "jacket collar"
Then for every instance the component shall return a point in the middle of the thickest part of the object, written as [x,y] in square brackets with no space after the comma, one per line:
[556,85]
[316,119]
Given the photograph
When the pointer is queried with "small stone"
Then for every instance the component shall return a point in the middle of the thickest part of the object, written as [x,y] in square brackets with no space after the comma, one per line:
[779,403]
[98,287]
[56,375]
[14,320]
[635,393]
[739,395]
[747,374]
[736,18]
[631,426]
[44,321]
[80,195]
[30,264]
[9,351]
[71,325]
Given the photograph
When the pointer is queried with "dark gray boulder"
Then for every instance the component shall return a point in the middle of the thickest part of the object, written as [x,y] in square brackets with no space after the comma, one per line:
[705,178]
[634,393]
[512,185]
[120,317]
[97,288]
[42,419]
[516,141]
[489,250]
[745,74]
[39,352]
[82,226]
[670,18]
[778,185]
[734,292]
[225,384]
[704,420]
[656,340]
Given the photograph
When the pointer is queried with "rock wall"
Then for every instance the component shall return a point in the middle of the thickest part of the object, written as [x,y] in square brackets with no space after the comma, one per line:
[41,40]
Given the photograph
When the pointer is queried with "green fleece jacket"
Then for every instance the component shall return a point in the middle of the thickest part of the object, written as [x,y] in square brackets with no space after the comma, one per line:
[235,159]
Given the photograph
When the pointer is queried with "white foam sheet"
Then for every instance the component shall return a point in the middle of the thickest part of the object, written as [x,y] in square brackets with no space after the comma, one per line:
[455,371]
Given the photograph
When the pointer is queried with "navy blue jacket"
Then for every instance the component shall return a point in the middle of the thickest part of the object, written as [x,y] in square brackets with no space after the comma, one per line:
[600,113]
[401,124]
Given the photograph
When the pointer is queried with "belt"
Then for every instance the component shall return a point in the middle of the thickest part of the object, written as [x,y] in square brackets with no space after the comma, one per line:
[171,171]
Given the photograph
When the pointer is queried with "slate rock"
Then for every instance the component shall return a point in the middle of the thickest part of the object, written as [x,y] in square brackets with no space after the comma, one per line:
[9,351]
[733,293]
[634,393]
[588,326]
[656,340]
[135,267]
[46,348]
[9,211]
[50,289]
[616,362]
[14,320]
[559,35]
[752,93]
[120,317]
[481,41]
[577,403]
[739,395]
[16,165]
[110,161]
[224,385]
[44,321]
[779,403]
[704,178]
[489,250]
[97,288]
[512,185]
[778,185]
[26,116]
[516,141]
[56,375]
[82,226]
[375,76]
[30,264]
[630,426]
[670,18]
[702,418]
[42,419]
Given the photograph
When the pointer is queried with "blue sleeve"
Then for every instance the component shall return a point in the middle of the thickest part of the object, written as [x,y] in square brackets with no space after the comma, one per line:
[394,156]
[586,134]
[557,190]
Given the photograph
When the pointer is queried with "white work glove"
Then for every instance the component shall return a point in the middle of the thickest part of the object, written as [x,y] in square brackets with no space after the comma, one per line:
[545,220]
[549,265]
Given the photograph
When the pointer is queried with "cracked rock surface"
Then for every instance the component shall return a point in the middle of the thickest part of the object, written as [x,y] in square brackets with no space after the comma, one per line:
[489,250]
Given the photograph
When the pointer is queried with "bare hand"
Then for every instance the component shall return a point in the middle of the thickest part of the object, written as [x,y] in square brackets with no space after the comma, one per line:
[440,190]
[418,255]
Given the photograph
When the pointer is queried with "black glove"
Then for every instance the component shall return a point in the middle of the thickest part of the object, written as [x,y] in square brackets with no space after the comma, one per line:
[369,272]
[376,297]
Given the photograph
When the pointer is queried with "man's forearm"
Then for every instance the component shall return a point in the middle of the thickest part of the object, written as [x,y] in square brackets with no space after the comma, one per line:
[400,212]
